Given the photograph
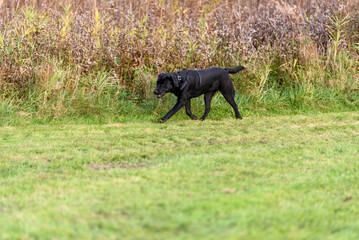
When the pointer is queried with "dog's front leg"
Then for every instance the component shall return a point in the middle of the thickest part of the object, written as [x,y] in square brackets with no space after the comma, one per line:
[188,110]
[180,103]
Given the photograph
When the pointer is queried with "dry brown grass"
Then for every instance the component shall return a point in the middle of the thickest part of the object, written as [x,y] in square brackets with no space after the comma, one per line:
[74,49]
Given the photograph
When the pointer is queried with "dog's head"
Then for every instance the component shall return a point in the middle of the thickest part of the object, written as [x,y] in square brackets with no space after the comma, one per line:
[166,82]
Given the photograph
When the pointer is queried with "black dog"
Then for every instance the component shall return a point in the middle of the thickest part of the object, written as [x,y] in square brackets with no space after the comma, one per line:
[187,84]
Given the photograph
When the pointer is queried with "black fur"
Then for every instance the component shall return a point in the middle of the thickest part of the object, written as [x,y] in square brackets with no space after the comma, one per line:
[187,84]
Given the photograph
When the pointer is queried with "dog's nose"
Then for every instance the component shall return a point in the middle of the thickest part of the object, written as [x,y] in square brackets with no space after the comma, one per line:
[155,92]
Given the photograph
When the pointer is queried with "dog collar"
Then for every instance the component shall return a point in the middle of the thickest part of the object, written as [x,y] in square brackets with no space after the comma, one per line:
[185,83]
[180,80]
[200,77]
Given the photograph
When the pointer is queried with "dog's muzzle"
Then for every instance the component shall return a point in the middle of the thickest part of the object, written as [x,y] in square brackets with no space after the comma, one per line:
[159,95]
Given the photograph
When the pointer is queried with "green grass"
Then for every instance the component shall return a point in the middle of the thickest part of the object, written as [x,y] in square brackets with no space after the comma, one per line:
[271,177]
[107,108]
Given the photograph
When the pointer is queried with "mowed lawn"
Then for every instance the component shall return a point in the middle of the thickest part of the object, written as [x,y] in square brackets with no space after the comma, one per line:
[277,177]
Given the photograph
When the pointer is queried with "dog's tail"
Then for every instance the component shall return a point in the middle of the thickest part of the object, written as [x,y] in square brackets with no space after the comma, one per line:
[234,70]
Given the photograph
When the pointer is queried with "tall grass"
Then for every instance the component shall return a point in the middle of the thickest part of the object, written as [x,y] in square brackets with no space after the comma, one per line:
[80,57]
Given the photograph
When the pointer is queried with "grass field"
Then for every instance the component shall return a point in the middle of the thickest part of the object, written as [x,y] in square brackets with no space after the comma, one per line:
[273,177]
[81,153]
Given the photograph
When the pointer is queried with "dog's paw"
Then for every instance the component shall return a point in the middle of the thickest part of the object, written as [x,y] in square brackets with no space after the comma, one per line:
[194,118]
[160,120]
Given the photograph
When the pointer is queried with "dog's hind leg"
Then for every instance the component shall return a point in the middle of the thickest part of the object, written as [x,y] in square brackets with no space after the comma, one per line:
[207,101]
[188,110]
[229,93]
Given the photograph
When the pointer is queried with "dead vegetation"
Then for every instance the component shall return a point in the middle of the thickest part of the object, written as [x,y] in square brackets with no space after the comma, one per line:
[65,51]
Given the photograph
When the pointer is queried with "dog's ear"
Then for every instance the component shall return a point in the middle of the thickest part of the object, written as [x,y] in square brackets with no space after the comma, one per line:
[175,80]
[161,75]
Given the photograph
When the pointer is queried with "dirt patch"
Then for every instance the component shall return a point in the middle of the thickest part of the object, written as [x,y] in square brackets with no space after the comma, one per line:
[348,198]
[212,141]
[101,166]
